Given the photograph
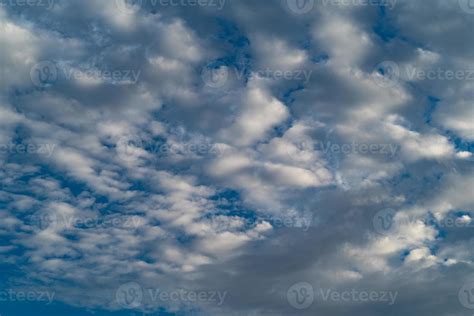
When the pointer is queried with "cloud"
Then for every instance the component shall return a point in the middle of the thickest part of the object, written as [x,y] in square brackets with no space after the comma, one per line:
[243,149]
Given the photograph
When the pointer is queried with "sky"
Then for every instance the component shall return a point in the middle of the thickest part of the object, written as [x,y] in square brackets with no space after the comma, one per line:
[236,157]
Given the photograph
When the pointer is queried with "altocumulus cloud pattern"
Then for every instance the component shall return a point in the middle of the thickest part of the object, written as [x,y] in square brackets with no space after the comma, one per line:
[236,157]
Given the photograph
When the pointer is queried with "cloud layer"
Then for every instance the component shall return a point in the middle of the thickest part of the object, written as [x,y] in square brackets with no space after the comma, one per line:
[230,157]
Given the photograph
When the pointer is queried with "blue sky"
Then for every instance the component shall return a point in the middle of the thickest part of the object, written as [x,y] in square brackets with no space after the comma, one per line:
[235,157]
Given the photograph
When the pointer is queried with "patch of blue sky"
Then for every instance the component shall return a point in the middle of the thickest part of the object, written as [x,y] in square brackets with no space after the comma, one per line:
[60,309]
[431,108]
[384,26]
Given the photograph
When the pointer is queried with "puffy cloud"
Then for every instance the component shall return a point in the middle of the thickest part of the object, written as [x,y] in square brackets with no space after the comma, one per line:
[208,147]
